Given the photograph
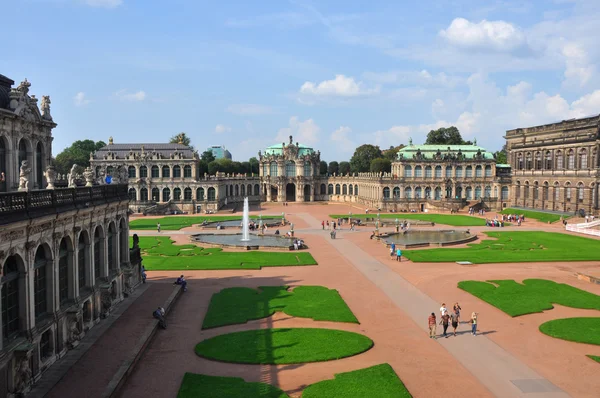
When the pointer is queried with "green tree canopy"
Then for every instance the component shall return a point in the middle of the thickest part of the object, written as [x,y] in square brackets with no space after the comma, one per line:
[333,168]
[208,156]
[181,138]
[344,167]
[501,156]
[254,165]
[322,168]
[363,156]
[446,136]
[392,152]
[78,153]
[381,165]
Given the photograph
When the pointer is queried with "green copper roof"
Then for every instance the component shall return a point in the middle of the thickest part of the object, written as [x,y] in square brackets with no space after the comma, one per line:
[503,166]
[429,151]
[277,149]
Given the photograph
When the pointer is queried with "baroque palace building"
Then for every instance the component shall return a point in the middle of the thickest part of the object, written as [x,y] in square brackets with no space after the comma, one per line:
[64,253]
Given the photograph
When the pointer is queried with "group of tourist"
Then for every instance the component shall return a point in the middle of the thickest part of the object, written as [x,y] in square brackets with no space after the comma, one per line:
[494,223]
[450,318]
[395,253]
[513,217]
[481,212]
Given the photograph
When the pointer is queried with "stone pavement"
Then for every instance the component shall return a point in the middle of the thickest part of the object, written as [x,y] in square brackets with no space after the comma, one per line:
[499,371]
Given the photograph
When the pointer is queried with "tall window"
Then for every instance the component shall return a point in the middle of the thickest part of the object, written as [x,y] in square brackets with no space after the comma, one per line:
[273,169]
[166,195]
[438,171]
[408,193]
[155,195]
[583,159]
[520,161]
[81,263]
[98,252]
[177,194]
[39,165]
[556,192]
[166,172]
[448,171]
[459,172]
[330,189]
[143,172]
[211,194]
[526,191]
[350,189]
[518,190]
[571,160]
[469,172]
[418,193]
[487,192]
[580,191]
[131,171]
[538,160]
[337,189]
[307,169]
[548,165]
[63,271]
[155,172]
[418,171]
[535,191]
[187,171]
[132,194]
[478,171]
[568,191]
[407,171]
[356,190]
[10,298]
[477,192]
[22,152]
[112,261]
[290,169]
[488,171]
[528,161]
[344,189]
[386,193]
[187,194]
[545,192]
[144,195]
[504,193]
[559,160]
[176,171]
[200,194]
[3,164]
[265,169]
[39,282]
[428,172]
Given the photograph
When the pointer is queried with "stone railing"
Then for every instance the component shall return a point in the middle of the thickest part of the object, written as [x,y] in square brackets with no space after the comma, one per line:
[18,206]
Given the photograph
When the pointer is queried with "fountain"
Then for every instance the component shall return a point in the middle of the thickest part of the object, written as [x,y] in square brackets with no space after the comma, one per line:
[245,223]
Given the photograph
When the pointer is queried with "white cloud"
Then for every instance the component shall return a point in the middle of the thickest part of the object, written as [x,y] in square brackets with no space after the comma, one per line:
[124,95]
[587,105]
[305,132]
[103,3]
[80,99]
[578,71]
[484,35]
[340,138]
[340,86]
[249,109]
[422,78]
[221,128]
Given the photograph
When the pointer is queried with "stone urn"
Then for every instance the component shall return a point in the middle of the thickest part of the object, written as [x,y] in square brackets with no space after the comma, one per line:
[51,175]
[88,174]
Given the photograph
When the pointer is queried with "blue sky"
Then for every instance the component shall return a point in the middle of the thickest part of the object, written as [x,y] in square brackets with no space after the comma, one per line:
[334,74]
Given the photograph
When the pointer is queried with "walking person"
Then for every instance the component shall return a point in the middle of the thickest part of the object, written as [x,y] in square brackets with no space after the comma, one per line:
[398,255]
[158,227]
[443,309]
[457,309]
[473,323]
[454,319]
[323,225]
[444,323]
[392,250]
[432,322]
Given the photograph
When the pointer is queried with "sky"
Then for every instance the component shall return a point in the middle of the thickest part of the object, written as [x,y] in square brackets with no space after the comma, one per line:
[334,74]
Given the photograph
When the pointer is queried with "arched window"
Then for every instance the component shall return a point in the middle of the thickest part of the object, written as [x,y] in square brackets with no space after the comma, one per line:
[504,193]
[469,172]
[166,172]
[556,192]
[155,172]
[487,193]
[488,170]
[307,169]
[386,193]
[39,165]
[337,189]
[520,161]
[3,164]
[143,172]
[428,193]
[166,195]
[123,241]
[469,193]
[580,189]
[477,193]
[408,193]
[545,190]
[437,193]
[438,171]
[323,189]
[40,282]
[459,171]
[144,195]
[177,194]
[568,191]
[155,195]
[526,190]
[528,161]
[98,252]
[110,171]
[22,152]
[418,193]
[112,249]
[10,298]
[448,171]
[63,271]
[131,171]
[176,171]
[132,194]
[428,172]
[407,171]
[200,194]
[538,160]
[249,190]
[243,190]
[290,169]
[356,190]
[571,160]
[559,160]
[256,190]
[583,159]
[211,193]
[548,162]
[265,169]
[418,171]
[330,189]
[478,171]
[518,190]
[350,189]
[187,194]
[187,171]
[396,192]
[82,260]
[344,189]
[273,169]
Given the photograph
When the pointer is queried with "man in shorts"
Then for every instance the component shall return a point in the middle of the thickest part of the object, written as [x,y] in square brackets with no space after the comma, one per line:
[454,321]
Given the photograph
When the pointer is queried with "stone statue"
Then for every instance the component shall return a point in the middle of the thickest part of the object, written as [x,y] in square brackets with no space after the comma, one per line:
[23,376]
[136,241]
[410,141]
[50,175]
[72,176]
[88,174]
[24,176]
[123,175]
[291,139]
[74,334]
[101,177]
[45,107]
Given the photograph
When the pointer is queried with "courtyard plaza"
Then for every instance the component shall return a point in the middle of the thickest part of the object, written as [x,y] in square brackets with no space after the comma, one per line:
[391,300]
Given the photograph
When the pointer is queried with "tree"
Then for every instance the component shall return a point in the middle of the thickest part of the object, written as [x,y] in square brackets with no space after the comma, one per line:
[344,168]
[202,168]
[208,156]
[323,168]
[381,165]
[254,165]
[363,155]
[392,153]
[181,138]
[78,153]
[501,155]
[445,136]
[333,168]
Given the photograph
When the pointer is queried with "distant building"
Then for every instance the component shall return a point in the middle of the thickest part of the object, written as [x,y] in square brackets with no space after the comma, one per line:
[220,152]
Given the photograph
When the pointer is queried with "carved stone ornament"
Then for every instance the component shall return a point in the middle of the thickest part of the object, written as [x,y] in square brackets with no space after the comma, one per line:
[88,174]
[12,235]
[22,373]
[24,176]
[45,107]
[50,175]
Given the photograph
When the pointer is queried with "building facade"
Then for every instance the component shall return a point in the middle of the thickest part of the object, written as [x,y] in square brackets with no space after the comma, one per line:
[219,152]
[556,166]
[64,253]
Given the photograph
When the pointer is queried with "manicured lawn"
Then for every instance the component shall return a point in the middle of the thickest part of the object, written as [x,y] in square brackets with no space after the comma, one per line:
[536,215]
[579,330]
[446,219]
[159,253]
[172,223]
[374,382]
[594,357]
[515,247]
[283,346]
[533,295]
[241,304]
[195,386]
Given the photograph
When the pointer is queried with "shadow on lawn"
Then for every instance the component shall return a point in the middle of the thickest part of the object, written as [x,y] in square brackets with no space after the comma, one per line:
[172,347]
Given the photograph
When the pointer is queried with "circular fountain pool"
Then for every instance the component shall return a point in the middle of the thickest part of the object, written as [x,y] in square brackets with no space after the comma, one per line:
[413,238]
[270,222]
[235,240]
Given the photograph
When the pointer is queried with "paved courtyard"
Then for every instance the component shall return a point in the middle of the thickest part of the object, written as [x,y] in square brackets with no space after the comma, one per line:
[391,300]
